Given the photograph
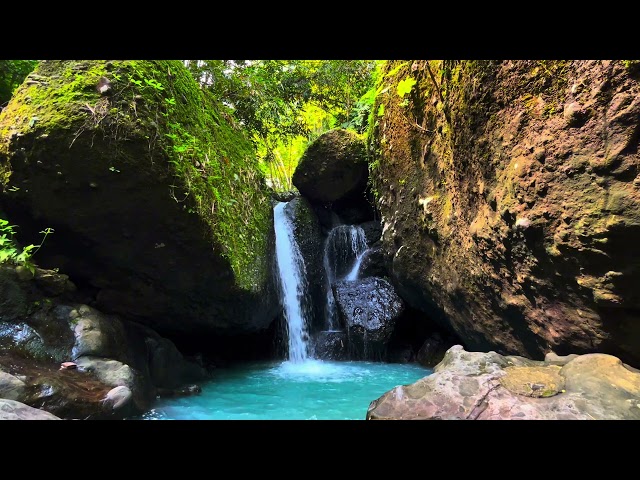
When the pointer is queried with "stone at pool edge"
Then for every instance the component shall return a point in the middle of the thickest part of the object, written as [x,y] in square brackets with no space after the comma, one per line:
[468,385]
[12,410]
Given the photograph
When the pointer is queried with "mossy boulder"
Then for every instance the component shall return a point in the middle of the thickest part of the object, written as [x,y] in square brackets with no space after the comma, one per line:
[510,200]
[333,167]
[152,189]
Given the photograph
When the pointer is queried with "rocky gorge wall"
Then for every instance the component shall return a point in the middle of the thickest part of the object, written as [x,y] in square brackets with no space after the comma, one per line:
[510,201]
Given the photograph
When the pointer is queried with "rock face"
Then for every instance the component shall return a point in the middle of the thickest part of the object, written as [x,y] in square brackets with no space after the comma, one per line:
[511,201]
[153,194]
[368,309]
[489,386]
[121,365]
[333,167]
[308,235]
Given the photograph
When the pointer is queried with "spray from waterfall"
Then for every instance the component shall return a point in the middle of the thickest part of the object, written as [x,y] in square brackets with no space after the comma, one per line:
[293,285]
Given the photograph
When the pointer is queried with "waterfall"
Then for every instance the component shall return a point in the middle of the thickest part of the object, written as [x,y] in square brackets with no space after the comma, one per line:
[293,284]
[343,252]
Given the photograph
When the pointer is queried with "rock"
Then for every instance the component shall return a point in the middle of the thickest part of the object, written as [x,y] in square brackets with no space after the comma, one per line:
[488,386]
[432,351]
[53,283]
[528,244]
[374,263]
[308,235]
[12,410]
[13,300]
[185,391]
[24,274]
[331,345]
[11,387]
[333,167]
[372,231]
[368,309]
[186,271]
[284,196]
[554,359]
[118,398]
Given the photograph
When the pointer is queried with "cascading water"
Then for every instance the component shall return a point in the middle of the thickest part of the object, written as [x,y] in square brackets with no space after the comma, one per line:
[343,252]
[292,285]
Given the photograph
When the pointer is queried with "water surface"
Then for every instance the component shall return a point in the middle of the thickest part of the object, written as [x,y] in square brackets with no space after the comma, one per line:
[311,390]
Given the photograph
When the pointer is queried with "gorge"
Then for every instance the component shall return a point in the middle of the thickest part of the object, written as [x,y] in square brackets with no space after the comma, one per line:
[467,247]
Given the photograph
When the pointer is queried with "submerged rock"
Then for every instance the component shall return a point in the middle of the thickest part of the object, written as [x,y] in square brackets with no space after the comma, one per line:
[489,386]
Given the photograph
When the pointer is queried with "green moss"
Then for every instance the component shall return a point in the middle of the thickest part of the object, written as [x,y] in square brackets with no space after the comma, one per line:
[188,132]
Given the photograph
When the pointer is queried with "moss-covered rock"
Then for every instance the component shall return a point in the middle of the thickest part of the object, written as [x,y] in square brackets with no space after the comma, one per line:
[152,190]
[510,199]
[333,167]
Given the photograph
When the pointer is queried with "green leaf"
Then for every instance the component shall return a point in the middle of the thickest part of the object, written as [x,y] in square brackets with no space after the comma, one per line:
[405,86]
[381,110]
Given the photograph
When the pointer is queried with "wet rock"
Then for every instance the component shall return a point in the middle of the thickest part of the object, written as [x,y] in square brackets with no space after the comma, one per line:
[331,345]
[368,308]
[11,387]
[372,231]
[374,263]
[12,410]
[432,351]
[308,235]
[488,386]
[118,398]
[284,196]
[333,167]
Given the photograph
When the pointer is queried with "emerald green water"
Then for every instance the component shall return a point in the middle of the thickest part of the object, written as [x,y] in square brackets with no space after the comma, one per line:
[311,390]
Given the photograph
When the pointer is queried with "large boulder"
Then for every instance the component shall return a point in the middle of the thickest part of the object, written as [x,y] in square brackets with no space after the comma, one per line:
[489,386]
[333,167]
[511,201]
[368,309]
[152,190]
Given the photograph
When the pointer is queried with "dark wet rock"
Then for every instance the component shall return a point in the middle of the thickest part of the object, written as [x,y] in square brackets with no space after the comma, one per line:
[331,345]
[284,196]
[12,410]
[372,231]
[374,263]
[402,353]
[368,308]
[432,350]
[334,166]
[489,386]
[308,235]
[53,283]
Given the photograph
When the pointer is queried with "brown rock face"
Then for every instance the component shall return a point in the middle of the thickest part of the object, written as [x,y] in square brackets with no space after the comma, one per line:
[510,198]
